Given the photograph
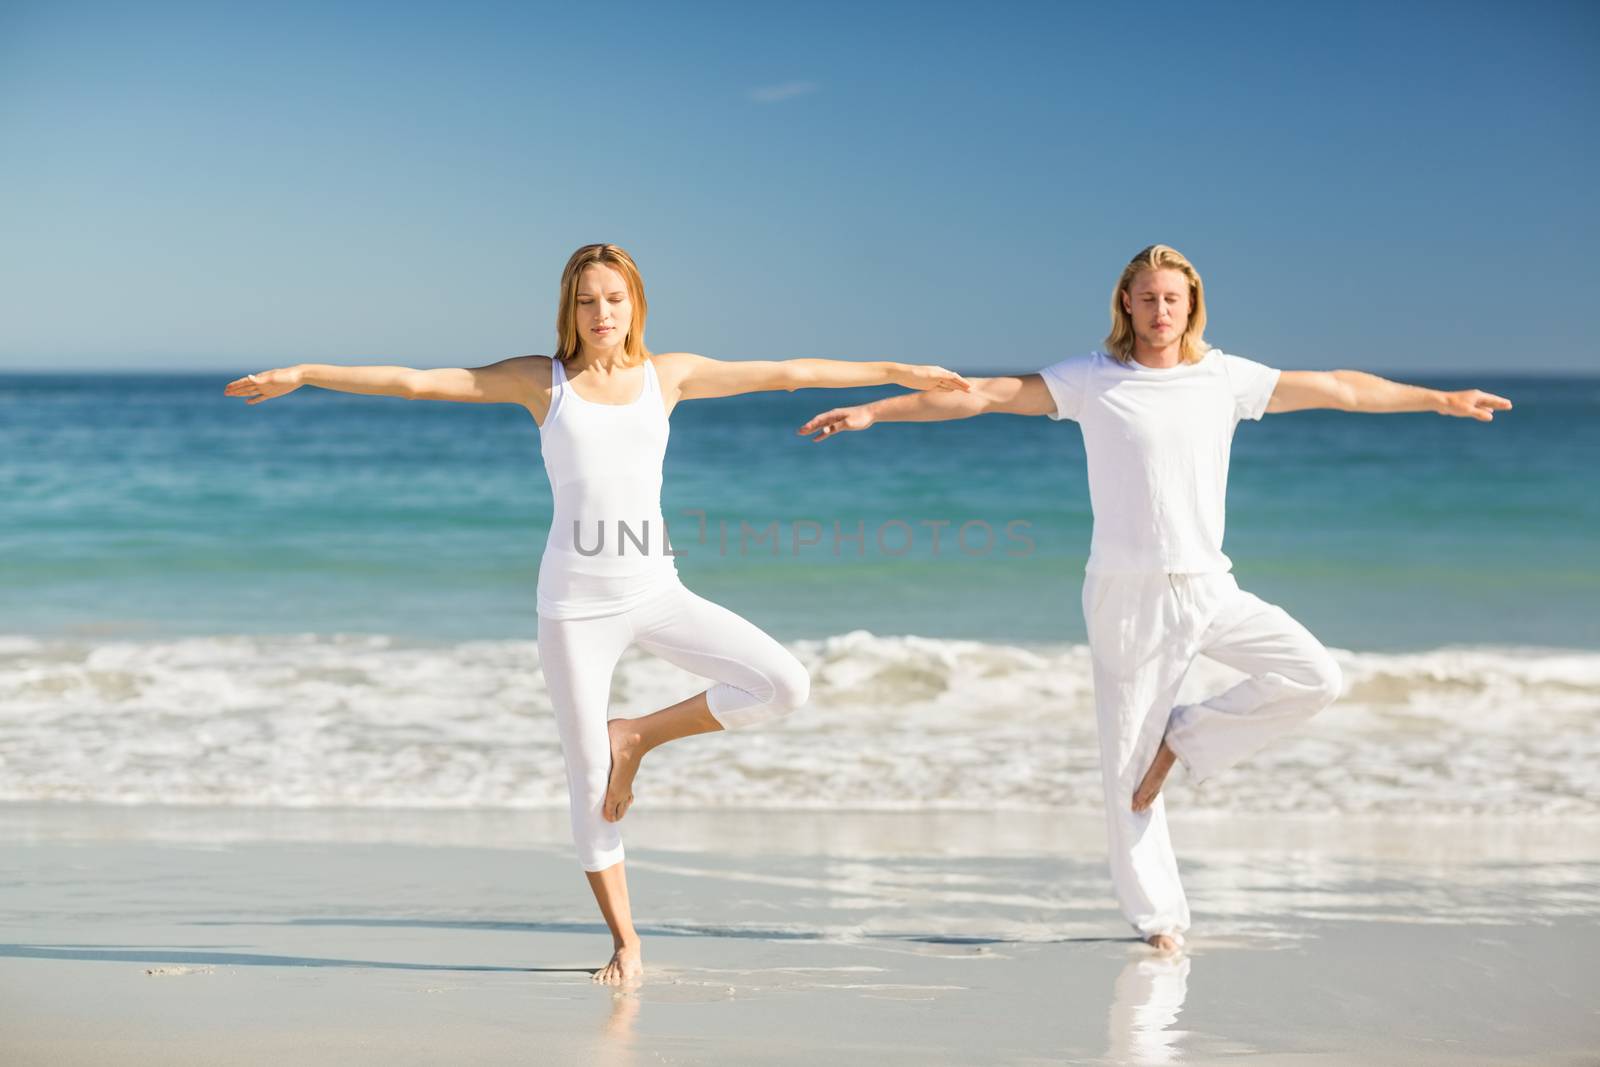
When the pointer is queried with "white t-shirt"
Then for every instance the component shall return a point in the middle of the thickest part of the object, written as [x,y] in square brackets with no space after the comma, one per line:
[1157,443]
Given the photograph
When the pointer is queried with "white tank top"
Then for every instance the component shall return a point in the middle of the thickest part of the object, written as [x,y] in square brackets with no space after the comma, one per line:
[607,551]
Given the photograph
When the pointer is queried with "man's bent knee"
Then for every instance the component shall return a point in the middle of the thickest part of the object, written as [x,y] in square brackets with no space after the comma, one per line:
[1324,680]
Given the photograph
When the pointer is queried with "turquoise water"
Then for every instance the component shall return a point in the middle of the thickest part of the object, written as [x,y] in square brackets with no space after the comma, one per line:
[150,506]
[329,600]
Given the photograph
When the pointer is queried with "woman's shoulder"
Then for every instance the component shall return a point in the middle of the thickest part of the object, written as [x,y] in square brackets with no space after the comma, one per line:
[538,369]
[671,367]
[662,360]
[530,378]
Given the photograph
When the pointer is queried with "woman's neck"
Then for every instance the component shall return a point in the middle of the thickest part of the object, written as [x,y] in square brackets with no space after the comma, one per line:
[606,361]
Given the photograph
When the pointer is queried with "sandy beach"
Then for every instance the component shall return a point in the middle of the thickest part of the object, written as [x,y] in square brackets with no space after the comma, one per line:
[245,936]
[351,479]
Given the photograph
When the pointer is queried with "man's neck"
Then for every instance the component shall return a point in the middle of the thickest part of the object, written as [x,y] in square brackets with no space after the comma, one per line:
[1158,358]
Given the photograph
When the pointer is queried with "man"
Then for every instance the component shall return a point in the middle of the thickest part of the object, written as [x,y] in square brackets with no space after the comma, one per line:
[1157,410]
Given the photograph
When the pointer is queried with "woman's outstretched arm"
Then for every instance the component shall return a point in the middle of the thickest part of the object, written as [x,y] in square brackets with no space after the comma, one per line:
[691,377]
[1019,395]
[521,380]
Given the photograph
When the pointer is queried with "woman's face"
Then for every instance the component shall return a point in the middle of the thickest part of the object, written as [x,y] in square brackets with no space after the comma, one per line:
[604,312]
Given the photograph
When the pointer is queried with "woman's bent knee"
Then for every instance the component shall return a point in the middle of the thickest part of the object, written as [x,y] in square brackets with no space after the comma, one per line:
[784,686]
[791,685]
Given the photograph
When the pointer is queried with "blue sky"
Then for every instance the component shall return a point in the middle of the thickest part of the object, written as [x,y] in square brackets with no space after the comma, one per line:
[233,186]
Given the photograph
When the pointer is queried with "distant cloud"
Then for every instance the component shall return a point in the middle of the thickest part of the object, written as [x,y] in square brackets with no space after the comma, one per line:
[771,94]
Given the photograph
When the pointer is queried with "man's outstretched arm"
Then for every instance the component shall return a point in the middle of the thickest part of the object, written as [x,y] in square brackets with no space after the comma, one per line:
[1021,395]
[1353,390]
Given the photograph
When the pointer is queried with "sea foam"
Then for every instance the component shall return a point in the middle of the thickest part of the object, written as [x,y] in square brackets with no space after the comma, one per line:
[893,723]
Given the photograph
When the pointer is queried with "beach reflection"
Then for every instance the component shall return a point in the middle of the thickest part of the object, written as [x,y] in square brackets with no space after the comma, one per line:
[1147,999]
[615,1047]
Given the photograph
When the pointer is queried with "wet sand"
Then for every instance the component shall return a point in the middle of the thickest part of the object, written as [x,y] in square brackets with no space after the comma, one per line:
[239,936]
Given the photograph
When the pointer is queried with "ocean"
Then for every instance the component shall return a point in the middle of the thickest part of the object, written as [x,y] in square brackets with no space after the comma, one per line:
[328,600]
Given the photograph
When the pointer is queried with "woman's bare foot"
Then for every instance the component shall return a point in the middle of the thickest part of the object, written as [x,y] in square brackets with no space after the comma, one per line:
[626,966]
[1150,787]
[1165,944]
[626,752]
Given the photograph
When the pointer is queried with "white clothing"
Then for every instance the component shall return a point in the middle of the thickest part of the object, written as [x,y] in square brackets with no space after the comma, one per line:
[758,679]
[607,580]
[1144,632]
[1157,442]
[1157,593]
[607,551]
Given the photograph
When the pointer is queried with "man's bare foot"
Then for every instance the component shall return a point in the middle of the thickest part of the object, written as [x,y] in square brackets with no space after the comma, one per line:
[625,756]
[1150,788]
[1165,944]
[626,966]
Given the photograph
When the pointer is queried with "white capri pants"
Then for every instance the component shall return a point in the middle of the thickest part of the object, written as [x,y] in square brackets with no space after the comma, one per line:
[757,679]
[1144,632]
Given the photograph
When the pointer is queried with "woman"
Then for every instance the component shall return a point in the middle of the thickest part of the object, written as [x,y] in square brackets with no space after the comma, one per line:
[607,578]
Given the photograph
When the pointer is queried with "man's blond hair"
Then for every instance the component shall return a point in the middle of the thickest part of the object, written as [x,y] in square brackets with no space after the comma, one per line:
[1192,345]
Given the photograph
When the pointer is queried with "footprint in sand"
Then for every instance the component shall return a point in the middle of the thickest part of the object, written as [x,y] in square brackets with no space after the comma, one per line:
[165,972]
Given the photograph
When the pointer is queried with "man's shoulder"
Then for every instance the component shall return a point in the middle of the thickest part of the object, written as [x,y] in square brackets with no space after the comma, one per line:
[1078,365]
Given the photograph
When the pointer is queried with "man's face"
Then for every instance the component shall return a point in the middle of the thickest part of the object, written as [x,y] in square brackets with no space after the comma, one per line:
[1158,301]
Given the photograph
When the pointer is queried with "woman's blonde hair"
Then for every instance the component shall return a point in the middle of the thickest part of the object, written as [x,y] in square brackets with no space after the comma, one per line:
[614,257]
[1192,345]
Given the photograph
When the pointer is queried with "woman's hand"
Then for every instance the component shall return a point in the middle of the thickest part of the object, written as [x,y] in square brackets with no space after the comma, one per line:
[839,419]
[266,385]
[926,376]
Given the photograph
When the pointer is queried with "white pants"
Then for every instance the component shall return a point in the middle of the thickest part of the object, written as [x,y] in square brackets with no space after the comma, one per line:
[757,680]
[1144,632]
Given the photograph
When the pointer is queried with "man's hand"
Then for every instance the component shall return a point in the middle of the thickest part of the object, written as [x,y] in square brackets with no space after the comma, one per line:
[839,419]
[1473,404]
